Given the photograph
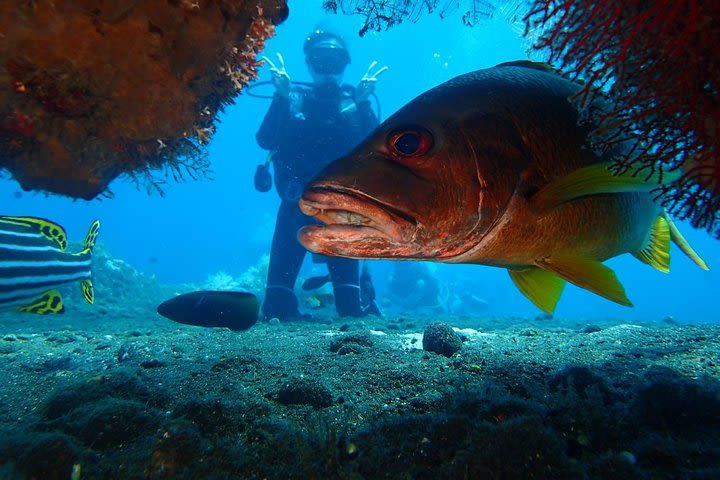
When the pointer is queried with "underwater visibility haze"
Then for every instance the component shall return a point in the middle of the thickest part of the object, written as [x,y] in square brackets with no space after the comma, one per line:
[161,362]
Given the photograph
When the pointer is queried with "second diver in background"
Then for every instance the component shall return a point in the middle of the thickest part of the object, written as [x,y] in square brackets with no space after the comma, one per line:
[305,129]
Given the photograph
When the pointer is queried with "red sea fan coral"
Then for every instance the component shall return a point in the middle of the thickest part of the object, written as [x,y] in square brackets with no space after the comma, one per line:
[94,89]
[658,64]
[383,14]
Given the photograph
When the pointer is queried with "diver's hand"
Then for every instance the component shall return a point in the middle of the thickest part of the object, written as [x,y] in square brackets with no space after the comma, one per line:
[366,87]
[280,77]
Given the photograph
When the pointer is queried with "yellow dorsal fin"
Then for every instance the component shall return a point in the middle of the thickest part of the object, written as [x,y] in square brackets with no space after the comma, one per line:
[682,244]
[88,291]
[594,180]
[588,274]
[656,252]
[541,287]
[48,229]
[49,302]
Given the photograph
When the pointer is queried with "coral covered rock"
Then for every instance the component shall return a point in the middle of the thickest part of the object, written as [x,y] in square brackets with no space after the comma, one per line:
[441,338]
[92,89]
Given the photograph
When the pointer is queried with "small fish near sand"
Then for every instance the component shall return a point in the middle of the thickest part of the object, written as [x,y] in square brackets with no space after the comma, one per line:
[493,168]
[211,308]
[33,262]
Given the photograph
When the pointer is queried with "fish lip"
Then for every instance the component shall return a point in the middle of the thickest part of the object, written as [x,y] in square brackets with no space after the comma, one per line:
[347,203]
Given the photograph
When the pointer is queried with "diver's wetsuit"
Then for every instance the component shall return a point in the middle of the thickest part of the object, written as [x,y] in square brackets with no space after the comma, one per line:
[306,132]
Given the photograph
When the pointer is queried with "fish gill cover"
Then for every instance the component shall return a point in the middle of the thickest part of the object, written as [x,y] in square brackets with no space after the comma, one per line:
[93,89]
[655,63]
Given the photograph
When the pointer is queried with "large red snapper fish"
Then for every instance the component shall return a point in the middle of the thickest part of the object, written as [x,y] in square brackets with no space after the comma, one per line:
[492,168]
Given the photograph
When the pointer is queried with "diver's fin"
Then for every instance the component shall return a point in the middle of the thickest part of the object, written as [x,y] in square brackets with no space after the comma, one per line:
[49,302]
[313,283]
[541,287]
[88,291]
[588,274]
[594,180]
[657,251]
[683,244]
[48,229]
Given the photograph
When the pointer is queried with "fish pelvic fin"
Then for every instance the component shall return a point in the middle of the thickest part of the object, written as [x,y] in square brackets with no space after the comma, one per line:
[656,252]
[541,287]
[597,179]
[678,239]
[588,274]
[50,302]
[47,228]
[88,291]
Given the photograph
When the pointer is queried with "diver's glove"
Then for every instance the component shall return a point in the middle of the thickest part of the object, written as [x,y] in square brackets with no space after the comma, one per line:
[280,77]
[366,87]
[263,177]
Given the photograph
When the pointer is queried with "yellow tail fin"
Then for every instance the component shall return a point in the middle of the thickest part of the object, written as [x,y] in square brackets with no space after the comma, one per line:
[682,244]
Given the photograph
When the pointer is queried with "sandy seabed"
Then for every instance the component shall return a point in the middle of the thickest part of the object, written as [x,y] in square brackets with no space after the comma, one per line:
[129,395]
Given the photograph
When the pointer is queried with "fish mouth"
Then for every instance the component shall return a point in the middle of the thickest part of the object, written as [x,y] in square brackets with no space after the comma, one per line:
[350,215]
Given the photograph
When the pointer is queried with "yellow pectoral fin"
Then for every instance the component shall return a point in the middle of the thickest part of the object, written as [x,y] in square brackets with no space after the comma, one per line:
[541,287]
[594,180]
[657,251]
[683,244]
[588,274]
[88,291]
[49,302]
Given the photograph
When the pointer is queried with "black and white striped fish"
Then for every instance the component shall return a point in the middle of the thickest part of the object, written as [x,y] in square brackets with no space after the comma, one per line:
[33,262]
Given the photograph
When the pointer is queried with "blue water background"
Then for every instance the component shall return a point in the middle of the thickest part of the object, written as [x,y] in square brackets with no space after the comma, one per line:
[199,228]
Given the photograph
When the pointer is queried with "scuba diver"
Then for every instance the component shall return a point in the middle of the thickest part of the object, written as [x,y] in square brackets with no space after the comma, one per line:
[304,130]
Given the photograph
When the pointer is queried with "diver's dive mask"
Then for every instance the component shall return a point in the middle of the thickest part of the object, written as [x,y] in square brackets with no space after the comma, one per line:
[326,53]
[327,61]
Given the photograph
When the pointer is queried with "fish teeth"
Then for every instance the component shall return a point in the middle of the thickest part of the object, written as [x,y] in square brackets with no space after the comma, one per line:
[355,218]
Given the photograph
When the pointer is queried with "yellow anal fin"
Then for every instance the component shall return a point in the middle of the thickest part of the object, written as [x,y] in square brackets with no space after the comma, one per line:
[541,287]
[588,274]
[88,291]
[657,251]
[91,237]
[596,179]
[683,244]
[47,228]
[49,302]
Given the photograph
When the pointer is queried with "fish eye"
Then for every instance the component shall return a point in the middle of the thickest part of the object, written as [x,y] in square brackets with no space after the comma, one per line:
[410,143]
